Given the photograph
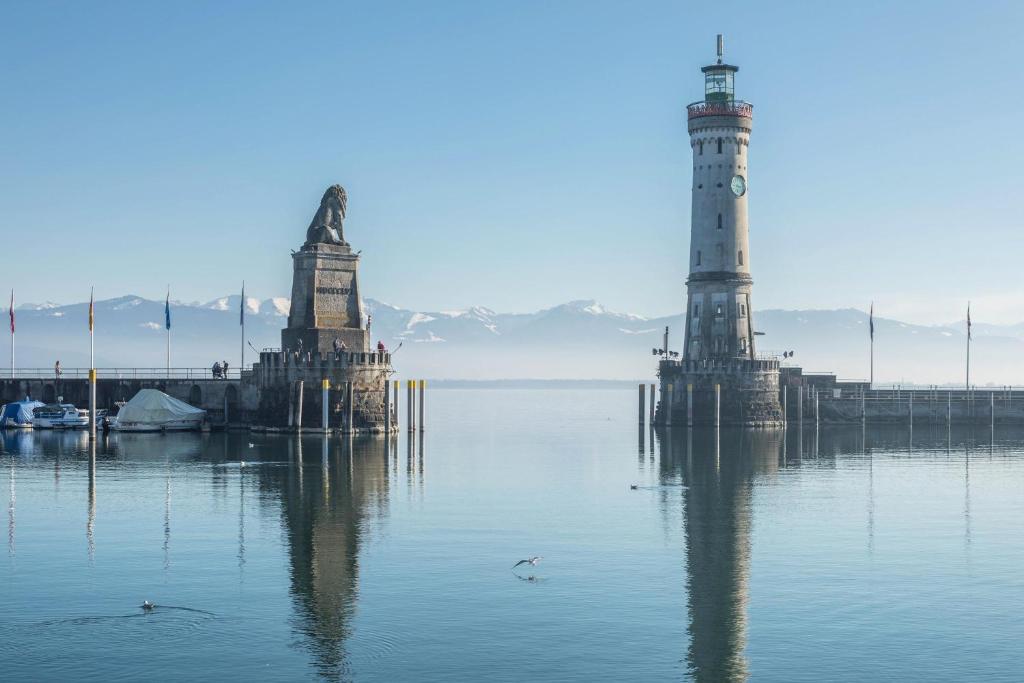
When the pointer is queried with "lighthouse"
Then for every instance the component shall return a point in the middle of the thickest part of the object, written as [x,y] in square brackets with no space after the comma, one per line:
[718,378]
[719,321]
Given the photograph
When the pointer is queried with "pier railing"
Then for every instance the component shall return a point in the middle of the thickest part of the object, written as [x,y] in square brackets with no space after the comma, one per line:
[119,373]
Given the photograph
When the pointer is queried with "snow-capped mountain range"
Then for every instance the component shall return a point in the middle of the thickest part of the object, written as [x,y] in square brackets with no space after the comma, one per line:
[576,340]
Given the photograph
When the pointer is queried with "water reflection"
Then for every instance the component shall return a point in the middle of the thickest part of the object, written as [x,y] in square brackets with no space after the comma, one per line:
[717,470]
[325,522]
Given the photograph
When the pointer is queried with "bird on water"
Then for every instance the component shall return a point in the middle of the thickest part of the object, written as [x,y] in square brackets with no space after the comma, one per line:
[531,561]
[147,605]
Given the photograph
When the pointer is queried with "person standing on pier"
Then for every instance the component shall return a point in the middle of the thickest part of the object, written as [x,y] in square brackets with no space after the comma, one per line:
[224,371]
[56,370]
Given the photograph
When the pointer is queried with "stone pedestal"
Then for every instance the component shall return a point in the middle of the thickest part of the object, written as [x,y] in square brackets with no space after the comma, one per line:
[325,301]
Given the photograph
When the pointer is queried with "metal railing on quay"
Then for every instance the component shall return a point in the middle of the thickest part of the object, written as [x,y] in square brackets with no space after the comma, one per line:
[48,374]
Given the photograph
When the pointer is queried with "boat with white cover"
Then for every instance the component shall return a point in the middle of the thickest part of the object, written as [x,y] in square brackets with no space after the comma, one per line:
[151,410]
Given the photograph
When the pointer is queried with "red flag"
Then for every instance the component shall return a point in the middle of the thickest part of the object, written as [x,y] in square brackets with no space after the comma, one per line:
[12,311]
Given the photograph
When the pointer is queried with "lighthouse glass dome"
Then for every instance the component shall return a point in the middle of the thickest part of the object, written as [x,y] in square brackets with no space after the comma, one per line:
[718,83]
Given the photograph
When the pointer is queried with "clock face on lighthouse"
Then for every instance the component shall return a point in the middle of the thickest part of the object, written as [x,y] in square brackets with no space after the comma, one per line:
[738,185]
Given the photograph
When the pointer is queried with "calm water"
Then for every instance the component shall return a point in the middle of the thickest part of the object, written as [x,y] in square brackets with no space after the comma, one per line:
[885,555]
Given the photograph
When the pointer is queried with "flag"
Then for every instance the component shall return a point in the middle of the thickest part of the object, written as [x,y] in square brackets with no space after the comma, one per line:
[91,307]
[12,311]
[871,320]
[968,320]
[167,311]
[241,307]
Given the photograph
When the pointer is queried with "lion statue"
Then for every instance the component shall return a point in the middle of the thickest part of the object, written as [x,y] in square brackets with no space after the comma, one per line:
[326,227]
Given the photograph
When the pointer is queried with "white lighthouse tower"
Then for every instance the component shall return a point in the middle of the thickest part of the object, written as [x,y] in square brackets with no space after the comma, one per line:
[719,314]
[719,379]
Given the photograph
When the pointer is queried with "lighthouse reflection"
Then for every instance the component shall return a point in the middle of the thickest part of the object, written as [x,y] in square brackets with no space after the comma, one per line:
[718,470]
[330,493]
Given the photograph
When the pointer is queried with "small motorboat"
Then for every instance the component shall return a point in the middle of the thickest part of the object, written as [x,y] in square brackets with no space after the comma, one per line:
[60,416]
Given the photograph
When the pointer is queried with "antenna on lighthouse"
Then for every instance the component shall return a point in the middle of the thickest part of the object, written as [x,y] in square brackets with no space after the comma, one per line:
[721,48]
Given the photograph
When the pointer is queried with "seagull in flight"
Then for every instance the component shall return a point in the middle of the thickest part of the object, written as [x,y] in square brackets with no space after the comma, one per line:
[532,562]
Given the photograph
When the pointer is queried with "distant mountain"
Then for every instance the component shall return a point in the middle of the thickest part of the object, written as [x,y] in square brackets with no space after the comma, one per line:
[576,340]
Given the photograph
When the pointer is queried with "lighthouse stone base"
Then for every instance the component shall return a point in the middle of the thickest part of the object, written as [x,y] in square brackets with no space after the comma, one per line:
[749,392]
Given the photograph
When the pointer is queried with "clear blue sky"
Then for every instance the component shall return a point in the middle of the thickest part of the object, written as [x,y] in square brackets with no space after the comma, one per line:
[511,155]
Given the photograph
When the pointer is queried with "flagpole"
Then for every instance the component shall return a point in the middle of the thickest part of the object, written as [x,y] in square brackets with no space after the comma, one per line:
[968,378]
[871,332]
[92,369]
[167,324]
[12,334]
[242,320]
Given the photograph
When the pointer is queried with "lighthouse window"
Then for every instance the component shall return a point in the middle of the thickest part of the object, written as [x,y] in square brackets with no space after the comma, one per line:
[719,145]
[719,221]
[743,343]
[698,257]
[718,309]
[696,310]
[739,257]
[743,310]
[701,146]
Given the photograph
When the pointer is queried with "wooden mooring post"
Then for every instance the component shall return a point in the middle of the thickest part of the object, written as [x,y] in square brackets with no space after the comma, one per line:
[423,404]
[325,404]
[785,405]
[651,407]
[410,409]
[666,401]
[350,407]
[298,406]
[387,409]
[718,404]
[689,405]
[800,407]
[910,408]
[643,394]
[992,409]
[949,408]
[395,401]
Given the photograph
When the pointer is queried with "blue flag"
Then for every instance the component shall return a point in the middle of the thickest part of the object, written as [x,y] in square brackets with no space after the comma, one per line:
[167,311]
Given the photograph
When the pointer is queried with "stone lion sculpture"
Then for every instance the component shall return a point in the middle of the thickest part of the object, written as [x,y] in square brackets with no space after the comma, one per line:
[326,227]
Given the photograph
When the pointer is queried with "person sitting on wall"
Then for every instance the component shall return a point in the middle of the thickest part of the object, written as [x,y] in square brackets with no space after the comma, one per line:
[216,370]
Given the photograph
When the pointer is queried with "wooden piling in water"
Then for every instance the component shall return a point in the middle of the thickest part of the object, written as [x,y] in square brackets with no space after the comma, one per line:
[410,409]
[291,405]
[651,409]
[785,405]
[423,404]
[992,409]
[398,415]
[689,405]
[800,407]
[298,406]
[643,394]
[387,409]
[718,404]
[949,407]
[325,404]
[350,407]
[816,410]
[910,410]
[92,404]
[666,400]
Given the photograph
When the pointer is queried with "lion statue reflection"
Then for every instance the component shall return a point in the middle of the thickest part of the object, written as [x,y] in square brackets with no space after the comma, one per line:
[326,227]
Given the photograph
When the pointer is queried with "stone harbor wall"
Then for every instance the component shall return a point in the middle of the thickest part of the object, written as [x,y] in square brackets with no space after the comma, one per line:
[277,378]
[749,392]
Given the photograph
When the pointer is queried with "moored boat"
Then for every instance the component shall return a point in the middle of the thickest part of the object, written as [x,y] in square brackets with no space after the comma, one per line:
[154,411]
[59,416]
[18,415]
